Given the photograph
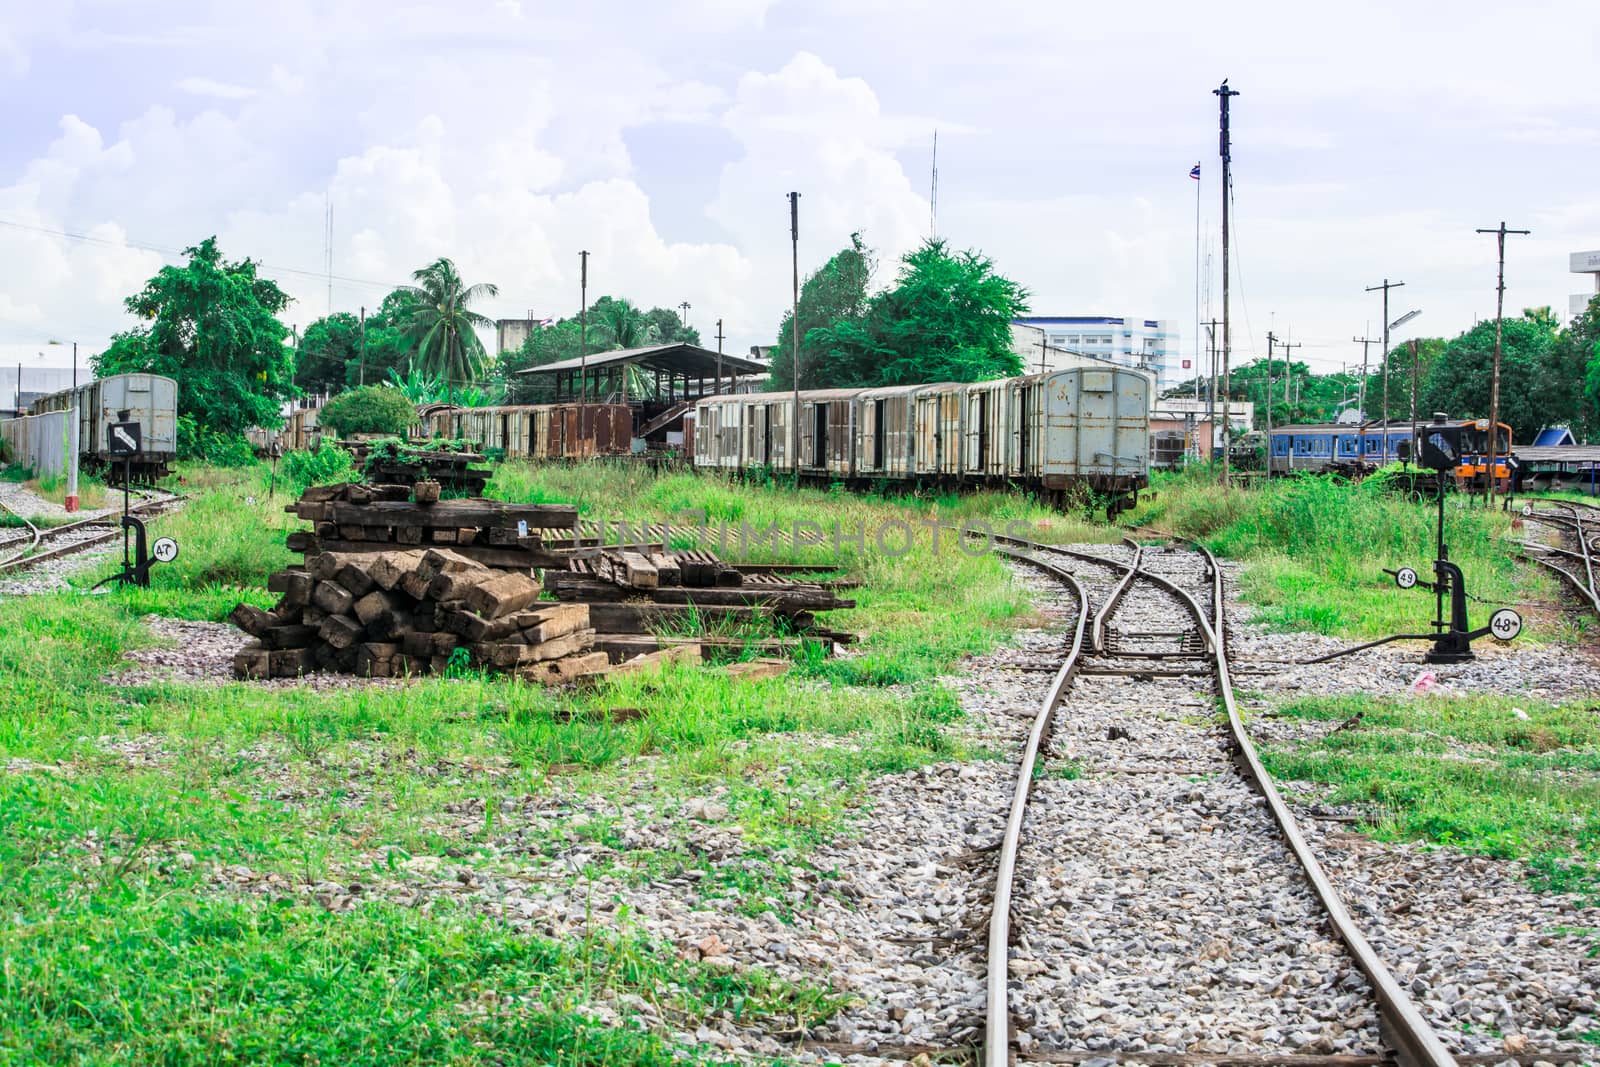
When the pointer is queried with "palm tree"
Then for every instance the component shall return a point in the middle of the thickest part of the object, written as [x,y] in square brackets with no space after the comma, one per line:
[620,324]
[441,332]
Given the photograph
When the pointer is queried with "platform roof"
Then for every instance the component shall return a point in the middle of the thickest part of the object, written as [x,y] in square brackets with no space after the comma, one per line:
[682,359]
[1556,453]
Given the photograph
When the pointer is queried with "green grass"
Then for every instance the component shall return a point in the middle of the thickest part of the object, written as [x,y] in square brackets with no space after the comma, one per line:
[175,975]
[114,954]
[1464,771]
[1315,550]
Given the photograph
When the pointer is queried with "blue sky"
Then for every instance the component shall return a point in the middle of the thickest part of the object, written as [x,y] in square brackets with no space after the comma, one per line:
[1370,140]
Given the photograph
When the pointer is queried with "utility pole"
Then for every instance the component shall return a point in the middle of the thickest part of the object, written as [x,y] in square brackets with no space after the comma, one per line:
[363,345]
[719,356]
[1224,95]
[1386,286]
[583,345]
[1494,382]
[1211,385]
[684,307]
[1361,392]
[1271,340]
[794,332]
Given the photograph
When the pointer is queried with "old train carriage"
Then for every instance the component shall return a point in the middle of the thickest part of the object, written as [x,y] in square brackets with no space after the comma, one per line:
[1063,434]
[536,431]
[151,400]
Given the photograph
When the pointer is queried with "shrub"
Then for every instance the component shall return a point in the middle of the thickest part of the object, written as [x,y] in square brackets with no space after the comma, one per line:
[368,409]
[329,463]
[217,449]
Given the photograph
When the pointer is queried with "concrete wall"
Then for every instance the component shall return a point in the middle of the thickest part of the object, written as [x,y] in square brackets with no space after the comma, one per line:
[38,441]
[510,333]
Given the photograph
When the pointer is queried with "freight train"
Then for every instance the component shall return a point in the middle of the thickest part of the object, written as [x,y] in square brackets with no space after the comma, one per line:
[1064,435]
[150,400]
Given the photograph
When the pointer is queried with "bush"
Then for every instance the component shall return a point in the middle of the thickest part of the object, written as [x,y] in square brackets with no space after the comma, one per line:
[328,464]
[369,409]
[217,449]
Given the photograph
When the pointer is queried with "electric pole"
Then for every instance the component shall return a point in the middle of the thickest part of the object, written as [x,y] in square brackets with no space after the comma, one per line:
[684,307]
[1494,382]
[719,356]
[363,346]
[1361,392]
[1211,386]
[1386,286]
[794,331]
[583,345]
[1271,340]
[1224,95]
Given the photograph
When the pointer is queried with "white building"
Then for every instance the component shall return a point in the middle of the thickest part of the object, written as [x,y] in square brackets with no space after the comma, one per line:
[1150,345]
[1584,263]
[1038,353]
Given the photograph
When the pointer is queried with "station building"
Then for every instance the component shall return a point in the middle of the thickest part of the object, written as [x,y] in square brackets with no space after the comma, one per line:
[1584,263]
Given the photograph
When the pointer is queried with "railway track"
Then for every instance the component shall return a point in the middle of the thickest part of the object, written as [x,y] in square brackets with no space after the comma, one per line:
[1574,566]
[35,544]
[1222,869]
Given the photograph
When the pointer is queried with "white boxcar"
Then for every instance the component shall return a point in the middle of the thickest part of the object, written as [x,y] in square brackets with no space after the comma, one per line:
[1090,425]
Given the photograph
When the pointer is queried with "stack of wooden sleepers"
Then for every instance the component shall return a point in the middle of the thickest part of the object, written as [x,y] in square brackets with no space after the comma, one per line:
[413,611]
[363,518]
[391,587]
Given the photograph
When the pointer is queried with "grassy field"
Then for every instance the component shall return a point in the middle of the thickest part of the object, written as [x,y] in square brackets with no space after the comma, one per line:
[1504,776]
[164,844]
[173,856]
[1315,550]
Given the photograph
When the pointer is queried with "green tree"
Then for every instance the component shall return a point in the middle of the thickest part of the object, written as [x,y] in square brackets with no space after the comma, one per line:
[368,409]
[948,318]
[669,328]
[836,293]
[441,329]
[326,350]
[213,326]
[1530,396]
[615,323]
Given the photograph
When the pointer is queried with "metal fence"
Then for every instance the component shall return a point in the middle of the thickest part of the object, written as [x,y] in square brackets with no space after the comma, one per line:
[39,441]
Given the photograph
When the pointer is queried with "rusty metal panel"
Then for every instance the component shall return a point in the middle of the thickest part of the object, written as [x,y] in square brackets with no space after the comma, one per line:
[841,424]
[688,433]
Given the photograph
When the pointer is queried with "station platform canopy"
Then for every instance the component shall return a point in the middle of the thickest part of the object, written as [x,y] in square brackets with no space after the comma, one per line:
[678,370]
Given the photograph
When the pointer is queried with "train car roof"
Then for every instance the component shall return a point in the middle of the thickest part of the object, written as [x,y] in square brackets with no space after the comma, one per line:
[1343,427]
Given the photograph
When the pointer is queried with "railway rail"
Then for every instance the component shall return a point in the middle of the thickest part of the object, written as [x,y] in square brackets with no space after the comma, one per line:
[1182,658]
[41,544]
[1574,566]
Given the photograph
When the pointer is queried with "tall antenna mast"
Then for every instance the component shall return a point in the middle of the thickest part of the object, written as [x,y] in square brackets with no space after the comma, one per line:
[933,191]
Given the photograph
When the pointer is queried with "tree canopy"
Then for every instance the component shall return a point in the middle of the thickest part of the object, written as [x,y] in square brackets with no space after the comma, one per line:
[1532,395]
[368,409]
[213,326]
[947,318]
[441,329]
[835,293]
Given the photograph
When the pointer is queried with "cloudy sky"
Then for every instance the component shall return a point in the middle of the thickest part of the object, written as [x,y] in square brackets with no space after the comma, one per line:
[1370,141]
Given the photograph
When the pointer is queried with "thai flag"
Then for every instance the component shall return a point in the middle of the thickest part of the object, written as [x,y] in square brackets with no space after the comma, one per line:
[1194,172]
[545,324]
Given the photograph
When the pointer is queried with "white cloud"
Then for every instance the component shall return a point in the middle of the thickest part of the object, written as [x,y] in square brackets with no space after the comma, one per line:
[502,138]
[211,87]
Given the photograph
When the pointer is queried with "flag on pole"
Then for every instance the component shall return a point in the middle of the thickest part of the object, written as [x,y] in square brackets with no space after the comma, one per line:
[1194,172]
[547,323]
